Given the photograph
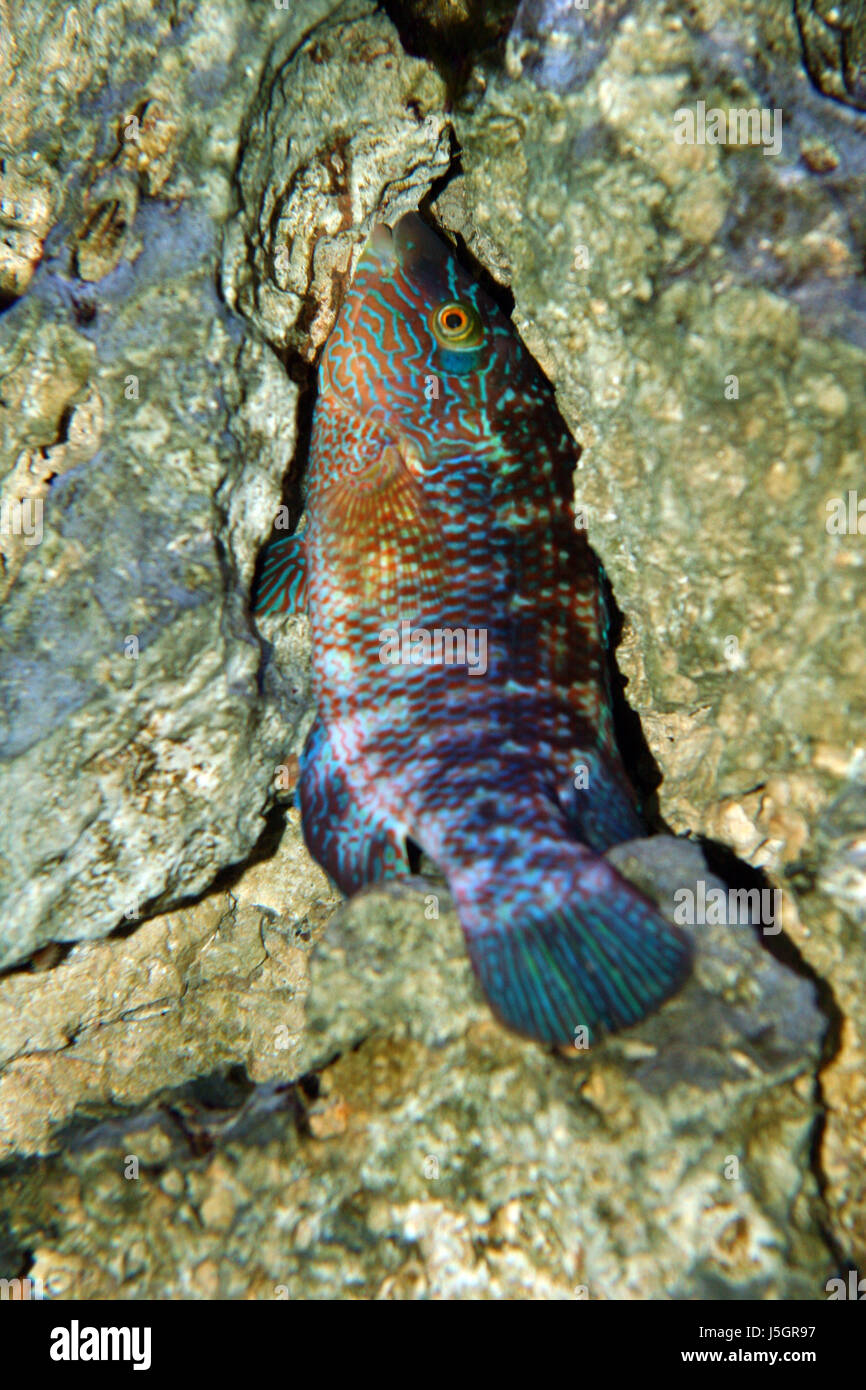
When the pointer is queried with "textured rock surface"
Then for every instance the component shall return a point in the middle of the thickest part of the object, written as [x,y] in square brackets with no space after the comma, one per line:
[431,1154]
[346,129]
[438,1156]
[834,47]
[646,275]
[135,745]
[217,984]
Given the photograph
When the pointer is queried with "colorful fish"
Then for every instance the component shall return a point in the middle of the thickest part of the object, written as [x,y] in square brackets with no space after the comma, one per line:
[459,648]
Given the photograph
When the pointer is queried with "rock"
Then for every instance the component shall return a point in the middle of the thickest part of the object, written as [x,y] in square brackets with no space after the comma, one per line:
[144,438]
[218,984]
[26,201]
[701,310]
[346,130]
[438,1156]
[834,47]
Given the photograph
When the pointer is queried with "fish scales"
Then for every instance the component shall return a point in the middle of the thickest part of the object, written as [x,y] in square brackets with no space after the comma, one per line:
[439,500]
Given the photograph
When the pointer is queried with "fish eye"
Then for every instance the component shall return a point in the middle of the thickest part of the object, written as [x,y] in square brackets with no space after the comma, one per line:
[457,325]
[454,319]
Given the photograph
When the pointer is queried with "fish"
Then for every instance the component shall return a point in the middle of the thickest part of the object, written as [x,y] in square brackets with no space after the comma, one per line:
[460,649]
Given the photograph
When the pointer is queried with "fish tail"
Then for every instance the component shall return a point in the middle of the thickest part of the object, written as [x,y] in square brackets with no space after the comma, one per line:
[561,942]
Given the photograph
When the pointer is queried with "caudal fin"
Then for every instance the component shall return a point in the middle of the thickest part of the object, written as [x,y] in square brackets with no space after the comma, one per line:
[560,941]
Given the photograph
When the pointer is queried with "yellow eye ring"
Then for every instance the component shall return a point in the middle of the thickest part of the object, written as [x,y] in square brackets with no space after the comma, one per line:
[453,320]
[457,325]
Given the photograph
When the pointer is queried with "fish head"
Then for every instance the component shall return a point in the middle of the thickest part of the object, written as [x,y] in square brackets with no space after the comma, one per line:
[422,349]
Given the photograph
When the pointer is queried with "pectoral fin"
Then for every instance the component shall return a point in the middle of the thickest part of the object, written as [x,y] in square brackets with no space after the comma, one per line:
[282,583]
[389,555]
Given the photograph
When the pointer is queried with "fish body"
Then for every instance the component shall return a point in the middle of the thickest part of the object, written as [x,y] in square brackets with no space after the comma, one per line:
[460,667]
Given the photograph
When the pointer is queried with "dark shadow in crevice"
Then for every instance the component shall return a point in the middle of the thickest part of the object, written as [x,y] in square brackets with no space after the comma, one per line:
[46,958]
[198,1116]
[413,855]
[641,766]
[16,1260]
[453,38]
[735,873]
[310,1085]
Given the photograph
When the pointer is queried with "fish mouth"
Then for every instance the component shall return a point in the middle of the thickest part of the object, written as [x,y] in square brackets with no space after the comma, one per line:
[410,246]
[418,248]
[381,244]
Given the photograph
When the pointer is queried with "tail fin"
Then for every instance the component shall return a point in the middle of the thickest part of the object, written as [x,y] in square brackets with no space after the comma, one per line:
[559,940]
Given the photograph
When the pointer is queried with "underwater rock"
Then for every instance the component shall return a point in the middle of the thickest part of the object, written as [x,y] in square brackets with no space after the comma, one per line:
[102,241]
[346,130]
[439,1156]
[219,983]
[137,744]
[701,309]
[26,203]
[834,47]
[134,741]
[560,44]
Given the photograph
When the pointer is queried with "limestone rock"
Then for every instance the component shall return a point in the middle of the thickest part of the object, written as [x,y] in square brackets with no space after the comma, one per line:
[438,1156]
[700,308]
